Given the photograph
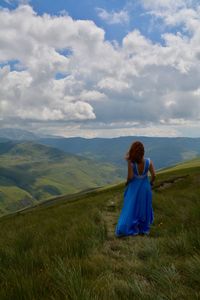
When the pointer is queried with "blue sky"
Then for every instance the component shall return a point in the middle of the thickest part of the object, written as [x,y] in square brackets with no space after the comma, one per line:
[88,10]
[133,70]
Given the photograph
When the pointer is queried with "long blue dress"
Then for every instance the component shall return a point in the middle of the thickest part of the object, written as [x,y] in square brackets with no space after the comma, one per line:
[137,212]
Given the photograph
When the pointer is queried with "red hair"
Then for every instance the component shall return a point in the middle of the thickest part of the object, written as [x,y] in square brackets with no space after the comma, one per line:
[136,152]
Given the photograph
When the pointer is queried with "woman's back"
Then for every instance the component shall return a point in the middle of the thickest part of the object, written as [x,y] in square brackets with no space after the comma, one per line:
[140,166]
[140,170]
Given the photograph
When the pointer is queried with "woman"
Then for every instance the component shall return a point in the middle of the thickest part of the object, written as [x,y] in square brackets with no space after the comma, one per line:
[137,213]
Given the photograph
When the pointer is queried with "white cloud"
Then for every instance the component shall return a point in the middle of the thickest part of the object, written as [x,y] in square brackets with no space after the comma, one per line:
[185,13]
[114,17]
[34,93]
[139,82]
[90,96]
[115,131]
[164,4]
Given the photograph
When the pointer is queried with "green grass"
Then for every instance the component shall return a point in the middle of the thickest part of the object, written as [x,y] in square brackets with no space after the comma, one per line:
[64,250]
[194,163]
[21,198]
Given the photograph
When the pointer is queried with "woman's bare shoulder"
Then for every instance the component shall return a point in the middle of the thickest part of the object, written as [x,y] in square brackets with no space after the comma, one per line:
[151,164]
[150,161]
[151,167]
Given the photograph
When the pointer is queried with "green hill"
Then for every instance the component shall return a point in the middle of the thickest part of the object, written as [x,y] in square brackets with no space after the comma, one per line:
[66,248]
[30,173]
[191,165]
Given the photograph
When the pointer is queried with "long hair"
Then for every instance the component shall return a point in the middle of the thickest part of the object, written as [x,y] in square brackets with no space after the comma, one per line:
[136,152]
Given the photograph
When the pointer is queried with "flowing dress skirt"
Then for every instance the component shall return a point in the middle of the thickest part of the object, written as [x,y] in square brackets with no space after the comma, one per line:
[137,213]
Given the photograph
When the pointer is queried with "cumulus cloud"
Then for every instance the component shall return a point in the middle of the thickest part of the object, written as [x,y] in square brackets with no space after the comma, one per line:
[138,82]
[35,93]
[114,17]
[175,13]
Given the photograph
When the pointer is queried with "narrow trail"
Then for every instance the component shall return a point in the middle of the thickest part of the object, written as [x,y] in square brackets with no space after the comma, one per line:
[110,217]
[167,183]
[114,247]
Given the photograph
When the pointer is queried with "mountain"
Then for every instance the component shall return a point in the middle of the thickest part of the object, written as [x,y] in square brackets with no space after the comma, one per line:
[17,134]
[31,172]
[66,248]
[163,151]
[22,135]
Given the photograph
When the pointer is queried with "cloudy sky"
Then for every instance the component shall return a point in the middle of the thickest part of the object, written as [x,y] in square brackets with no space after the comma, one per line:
[98,68]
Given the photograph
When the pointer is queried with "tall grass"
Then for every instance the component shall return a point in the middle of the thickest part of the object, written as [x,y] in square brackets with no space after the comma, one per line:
[63,251]
[68,281]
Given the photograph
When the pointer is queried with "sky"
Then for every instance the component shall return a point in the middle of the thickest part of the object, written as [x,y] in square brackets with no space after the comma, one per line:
[98,68]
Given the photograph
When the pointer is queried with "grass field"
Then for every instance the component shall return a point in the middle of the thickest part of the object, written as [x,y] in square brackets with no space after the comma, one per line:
[66,249]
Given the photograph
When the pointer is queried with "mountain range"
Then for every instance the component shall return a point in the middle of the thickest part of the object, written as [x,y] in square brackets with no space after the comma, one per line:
[34,168]
[163,151]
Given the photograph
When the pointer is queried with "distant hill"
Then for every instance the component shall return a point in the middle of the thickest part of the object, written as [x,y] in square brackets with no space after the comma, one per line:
[192,164]
[31,172]
[66,248]
[163,151]
[21,134]
[17,134]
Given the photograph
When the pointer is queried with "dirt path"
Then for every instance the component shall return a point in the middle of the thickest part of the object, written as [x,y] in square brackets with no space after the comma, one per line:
[167,183]
[111,216]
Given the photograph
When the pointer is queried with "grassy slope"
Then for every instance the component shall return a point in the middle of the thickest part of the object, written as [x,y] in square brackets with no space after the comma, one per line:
[191,164]
[30,173]
[66,251]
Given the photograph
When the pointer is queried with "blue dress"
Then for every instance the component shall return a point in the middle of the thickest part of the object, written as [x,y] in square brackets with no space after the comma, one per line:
[137,212]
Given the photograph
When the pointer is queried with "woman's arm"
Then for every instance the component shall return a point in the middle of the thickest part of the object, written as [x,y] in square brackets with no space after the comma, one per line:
[153,172]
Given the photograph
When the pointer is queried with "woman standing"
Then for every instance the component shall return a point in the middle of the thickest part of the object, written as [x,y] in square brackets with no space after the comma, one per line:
[137,212]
